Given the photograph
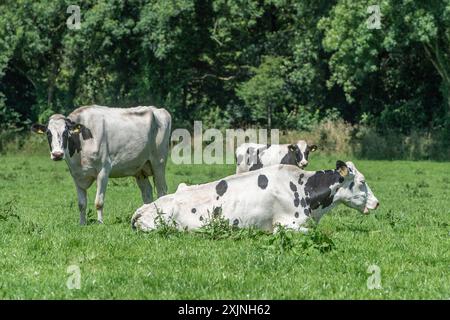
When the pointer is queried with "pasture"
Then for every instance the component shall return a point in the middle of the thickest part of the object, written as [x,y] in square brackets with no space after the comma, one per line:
[408,238]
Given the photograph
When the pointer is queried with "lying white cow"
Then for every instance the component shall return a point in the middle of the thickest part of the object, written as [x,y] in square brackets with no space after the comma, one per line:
[280,194]
[100,142]
[252,156]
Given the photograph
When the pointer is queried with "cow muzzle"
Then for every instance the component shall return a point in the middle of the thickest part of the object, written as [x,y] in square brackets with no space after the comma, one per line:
[57,156]
[367,209]
[303,164]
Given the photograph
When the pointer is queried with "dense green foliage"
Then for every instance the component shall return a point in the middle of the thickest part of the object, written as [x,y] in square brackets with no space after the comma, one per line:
[230,62]
[407,238]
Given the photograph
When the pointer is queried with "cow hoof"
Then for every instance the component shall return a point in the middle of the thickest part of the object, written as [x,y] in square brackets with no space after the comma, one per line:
[100,221]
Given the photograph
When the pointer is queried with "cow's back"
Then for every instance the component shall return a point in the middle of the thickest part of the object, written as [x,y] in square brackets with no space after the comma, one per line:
[124,137]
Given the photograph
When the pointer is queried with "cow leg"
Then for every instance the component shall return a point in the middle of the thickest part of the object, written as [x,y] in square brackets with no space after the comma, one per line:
[159,177]
[146,188]
[102,181]
[82,204]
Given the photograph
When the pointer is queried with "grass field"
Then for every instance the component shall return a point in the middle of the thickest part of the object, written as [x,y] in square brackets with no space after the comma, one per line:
[408,239]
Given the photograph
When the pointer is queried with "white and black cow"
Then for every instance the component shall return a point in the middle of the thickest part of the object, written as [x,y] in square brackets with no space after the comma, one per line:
[253,156]
[278,195]
[100,142]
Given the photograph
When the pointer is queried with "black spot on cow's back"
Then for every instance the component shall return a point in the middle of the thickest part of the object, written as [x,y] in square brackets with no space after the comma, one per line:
[303,203]
[235,222]
[221,187]
[263,181]
[194,210]
[307,211]
[296,214]
[292,186]
[296,202]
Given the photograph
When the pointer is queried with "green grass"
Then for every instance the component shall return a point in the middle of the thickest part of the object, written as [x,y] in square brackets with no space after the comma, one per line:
[408,238]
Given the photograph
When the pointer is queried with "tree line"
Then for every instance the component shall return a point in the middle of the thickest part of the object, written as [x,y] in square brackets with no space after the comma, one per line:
[230,62]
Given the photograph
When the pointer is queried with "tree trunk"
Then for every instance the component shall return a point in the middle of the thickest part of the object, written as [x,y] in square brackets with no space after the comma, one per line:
[269,119]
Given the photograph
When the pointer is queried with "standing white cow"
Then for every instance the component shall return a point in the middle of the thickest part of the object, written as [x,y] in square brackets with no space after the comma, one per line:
[253,156]
[99,142]
[280,194]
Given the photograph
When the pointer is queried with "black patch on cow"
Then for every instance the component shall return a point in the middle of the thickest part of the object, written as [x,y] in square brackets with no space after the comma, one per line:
[221,187]
[235,222]
[296,214]
[74,144]
[300,181]
[293,156]
[296,194]
[194,210]
[352,185]
[255,155]
[303,203]
[268,146]
[308,200]
[317,188]
[292,186]
[49,138]
[201,218]
[296,202]
[65,137]
[256,166]
[263,181]
[307,211]
[86,133]
[217,198]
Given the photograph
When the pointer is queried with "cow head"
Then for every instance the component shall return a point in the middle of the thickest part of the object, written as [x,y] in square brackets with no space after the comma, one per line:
[59,130]
[300,152]
[355,192]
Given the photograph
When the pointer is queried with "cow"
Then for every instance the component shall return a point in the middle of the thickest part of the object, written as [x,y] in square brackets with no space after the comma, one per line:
[99,143]
[279,195]
[252,156]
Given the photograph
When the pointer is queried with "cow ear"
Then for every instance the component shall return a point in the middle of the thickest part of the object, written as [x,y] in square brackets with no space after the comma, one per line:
[312,148]
[76,128]
[342,168]
[38,128]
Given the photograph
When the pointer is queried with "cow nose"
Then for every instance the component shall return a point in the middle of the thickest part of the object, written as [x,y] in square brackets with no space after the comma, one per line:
[57,155]
[303,163]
